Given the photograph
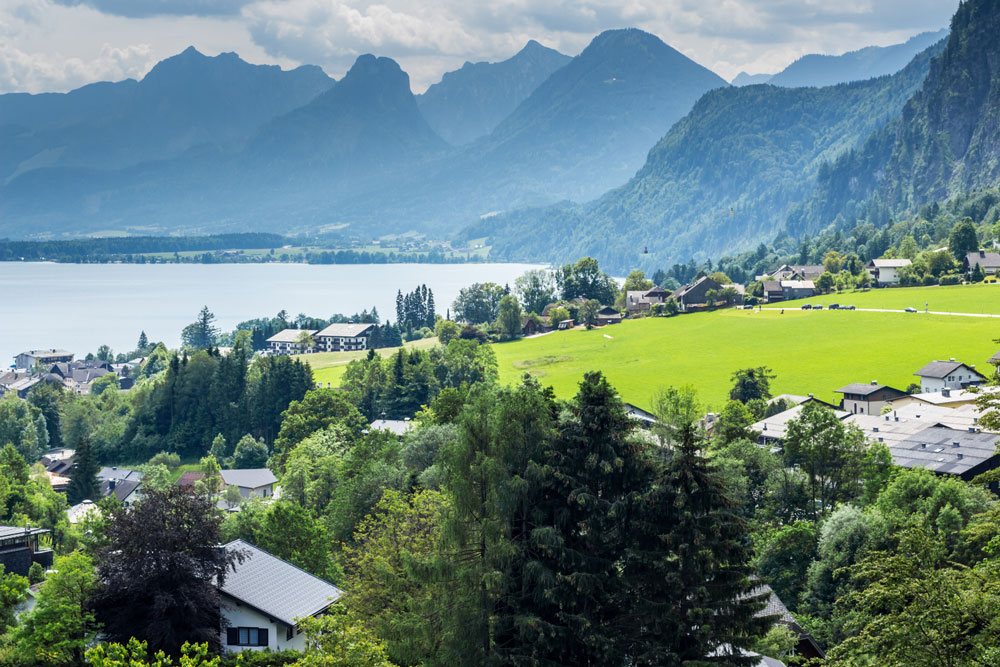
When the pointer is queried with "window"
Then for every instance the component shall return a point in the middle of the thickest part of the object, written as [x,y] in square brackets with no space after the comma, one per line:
[246,636]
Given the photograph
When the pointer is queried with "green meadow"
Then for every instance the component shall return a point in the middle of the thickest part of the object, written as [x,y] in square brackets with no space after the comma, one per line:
[329,367]
[981,298]
[811,352]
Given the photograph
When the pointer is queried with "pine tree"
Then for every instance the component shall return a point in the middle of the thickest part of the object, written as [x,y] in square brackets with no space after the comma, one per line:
[83,478]
[687,575]
[143,342]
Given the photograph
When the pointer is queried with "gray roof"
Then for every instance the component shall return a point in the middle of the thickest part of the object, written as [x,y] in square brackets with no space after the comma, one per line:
[798,284]
[890,263]
[866,389]
[48,354]
[397,426]
[945,450]
[345,330]
[940,369]
[276,587]
[983,258]
[249,478]
[290,335]
[123,488]
[17,531]
[107,473]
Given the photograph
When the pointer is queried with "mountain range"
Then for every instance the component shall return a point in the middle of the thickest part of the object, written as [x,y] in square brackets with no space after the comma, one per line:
[629,151]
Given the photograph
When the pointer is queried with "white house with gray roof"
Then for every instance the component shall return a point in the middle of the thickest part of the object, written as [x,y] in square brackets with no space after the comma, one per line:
[292,341]
[264,598]
[252,482]
[344,337]
[939,375]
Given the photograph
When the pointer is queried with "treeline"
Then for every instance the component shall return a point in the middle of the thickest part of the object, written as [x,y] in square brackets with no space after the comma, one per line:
[262,328]
[105,249]
[366,257]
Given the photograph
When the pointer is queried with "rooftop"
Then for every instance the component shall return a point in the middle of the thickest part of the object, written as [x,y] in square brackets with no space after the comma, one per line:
[866,389]
[397,426]
[775,426]
[7,532]
[290,335]
[249,478]
[941,369]
[345,330]
[276,587]
[890,263]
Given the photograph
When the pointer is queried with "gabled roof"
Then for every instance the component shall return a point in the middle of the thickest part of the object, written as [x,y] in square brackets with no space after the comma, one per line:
[249,478]
[945,450]
[983,258]
[797,284]
[889,263]
[290,335]
[397,426]
[276,587]
[18,531]
[942,369]
[345,330]
[867,389]
[123,488]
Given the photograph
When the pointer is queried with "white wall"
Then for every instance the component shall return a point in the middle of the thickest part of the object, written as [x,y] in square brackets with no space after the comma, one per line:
[238,615]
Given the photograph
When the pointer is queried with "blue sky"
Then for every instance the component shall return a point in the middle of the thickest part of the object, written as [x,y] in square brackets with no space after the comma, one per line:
[54,45]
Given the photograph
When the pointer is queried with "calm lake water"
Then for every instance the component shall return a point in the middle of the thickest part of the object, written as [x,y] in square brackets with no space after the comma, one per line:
[81,306]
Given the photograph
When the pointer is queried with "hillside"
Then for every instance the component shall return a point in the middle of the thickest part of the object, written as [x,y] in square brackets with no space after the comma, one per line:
[826,70]
[746,79]
[944,143]
[470,102]
[718,180]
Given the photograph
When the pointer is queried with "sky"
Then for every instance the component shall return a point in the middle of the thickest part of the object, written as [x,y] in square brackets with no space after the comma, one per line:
[58,45]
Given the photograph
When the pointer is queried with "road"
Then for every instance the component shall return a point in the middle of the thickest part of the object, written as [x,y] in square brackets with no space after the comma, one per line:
[897,310]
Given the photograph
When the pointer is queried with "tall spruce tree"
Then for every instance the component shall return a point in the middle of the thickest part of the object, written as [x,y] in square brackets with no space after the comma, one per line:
[687,582]
[83,478]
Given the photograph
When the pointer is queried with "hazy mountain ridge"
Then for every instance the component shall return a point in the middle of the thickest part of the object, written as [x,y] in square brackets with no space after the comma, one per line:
[470,102]
[719,180]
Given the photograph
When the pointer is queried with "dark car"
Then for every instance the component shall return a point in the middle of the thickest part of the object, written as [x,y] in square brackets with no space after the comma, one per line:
[818,307]
[834,306]
[807,306]
[849,308]
[911,310]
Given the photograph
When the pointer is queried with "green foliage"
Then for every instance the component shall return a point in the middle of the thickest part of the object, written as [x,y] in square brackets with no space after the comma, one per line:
[169,459]
[446,331]
[338,639]
[535,289]
[249,453]
[317,410]
[62,625]
[136,654]
[509,318]
[83,484]
[963,239]
[752,384]
[585,280]
[22,425]
[13,591]
[478,303]
[202,333]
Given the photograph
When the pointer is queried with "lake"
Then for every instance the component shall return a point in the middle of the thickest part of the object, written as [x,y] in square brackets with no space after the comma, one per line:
[79,307]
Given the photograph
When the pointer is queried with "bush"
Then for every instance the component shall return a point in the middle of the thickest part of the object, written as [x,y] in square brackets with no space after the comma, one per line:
[169,459]
[951,279]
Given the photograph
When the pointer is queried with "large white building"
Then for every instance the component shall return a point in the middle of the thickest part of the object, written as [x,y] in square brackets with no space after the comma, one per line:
[264,599]
[344,337]
[292,341]
[885,272]
[940,375]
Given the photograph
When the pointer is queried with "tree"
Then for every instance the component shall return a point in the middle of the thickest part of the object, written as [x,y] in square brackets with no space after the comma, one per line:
[159,570]
[143,342]
[826,282]
[963,239]
[50,398]
[104,353]
[721,278]
[13,591]
[734,423]
[318,409]
[536,289]
[202,333]
[338,639]
[446,331]
[751,383]
[687,584]
[636,281]
[23,426]
[396,546]
[977,275]
[585,280]
[62,625]
[249,453]
[83,483]
[588,312]
[509,318]
[784,557]
[136,654]
[478,303]
[306,341]
[556,315]
[288,531]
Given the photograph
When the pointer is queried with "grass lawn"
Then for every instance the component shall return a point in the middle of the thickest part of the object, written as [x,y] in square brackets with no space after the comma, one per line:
[811,352]
[981,298]
[329,367]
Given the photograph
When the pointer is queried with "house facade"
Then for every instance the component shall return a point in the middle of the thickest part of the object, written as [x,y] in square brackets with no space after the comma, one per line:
[639,301]
[867,399]
[608,315]
[19,548]
[797,289]
[32,358]
[289,341]
[263,598]
[696,293]
[344,337]
[940,375]
[885,272]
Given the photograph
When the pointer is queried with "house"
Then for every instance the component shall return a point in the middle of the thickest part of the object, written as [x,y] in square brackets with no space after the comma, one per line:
[126,490]
[252,482]
[643,418]
[989,262]
[951,374]
[58,461]
[398,427]
[33,358]
[81,511]
[289,341]
[344,337]
[867,399]
[772,291]
[794,272]
[771,430]
[885,272]
[189,478]
[608,315]
[946,398]
[697,293]
[19,548]
[639,301]
[263,598]
[807,647]
[797,289]
[964,453]
[532,326]
[565,325]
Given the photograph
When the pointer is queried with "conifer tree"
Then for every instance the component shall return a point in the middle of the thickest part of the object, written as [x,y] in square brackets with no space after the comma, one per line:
[83,479]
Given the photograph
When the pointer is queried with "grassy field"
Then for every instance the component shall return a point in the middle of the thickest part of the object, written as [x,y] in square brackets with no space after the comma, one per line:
[811,352]
[954,299]
[328,367]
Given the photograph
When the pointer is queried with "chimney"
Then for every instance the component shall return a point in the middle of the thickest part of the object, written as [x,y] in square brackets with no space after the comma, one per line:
[946,392]
[956,443]
[982,254]
[959,455]
[874,383]
[111,484]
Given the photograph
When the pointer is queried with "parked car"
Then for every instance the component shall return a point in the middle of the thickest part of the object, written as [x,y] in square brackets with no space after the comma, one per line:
[911,310]
[807,306]
[849,308]
[748,306]
[834,306]
[818,307]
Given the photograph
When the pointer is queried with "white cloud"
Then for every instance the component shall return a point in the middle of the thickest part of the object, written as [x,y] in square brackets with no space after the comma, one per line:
[20,71]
